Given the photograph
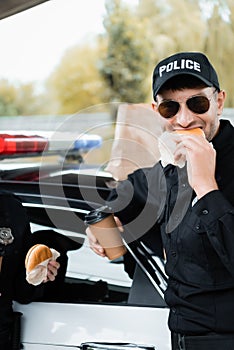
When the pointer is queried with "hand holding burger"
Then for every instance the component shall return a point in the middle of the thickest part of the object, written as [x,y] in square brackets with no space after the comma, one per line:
[190,146]
[41,265]
[201,161]
[168,146]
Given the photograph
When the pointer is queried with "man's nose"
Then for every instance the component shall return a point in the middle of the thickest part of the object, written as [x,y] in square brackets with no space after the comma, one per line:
[184,117]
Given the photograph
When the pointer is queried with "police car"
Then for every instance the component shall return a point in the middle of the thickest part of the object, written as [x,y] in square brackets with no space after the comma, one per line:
[95,303]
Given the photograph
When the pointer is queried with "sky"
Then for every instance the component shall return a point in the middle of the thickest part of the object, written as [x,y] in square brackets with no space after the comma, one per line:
[33,41]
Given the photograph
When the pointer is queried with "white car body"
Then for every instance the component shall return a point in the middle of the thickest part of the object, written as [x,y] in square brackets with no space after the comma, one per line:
[51,325]
[64,326]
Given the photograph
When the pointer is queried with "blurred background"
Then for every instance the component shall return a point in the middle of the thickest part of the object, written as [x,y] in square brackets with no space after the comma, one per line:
[64,56]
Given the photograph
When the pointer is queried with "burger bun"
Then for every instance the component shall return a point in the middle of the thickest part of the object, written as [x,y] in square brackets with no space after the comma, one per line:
[167,145]
[195,131]
[36,255]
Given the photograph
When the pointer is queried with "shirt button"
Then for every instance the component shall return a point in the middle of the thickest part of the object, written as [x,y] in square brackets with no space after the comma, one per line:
[205,211]
[197,227]
[173,253]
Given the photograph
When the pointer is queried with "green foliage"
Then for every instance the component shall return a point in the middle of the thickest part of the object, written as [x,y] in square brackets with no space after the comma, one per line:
[19,100]
[7,99]
[161,28]
[193,25]
[118,65]
[125,66]
[76,83]
[219,45]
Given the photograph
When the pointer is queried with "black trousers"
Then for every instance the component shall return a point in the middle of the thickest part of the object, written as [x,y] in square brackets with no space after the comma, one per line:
[211,341]
[6,321]
[5,338]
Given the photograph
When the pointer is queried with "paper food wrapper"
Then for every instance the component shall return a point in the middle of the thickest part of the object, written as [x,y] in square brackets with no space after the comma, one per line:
[39,273]
[167,146]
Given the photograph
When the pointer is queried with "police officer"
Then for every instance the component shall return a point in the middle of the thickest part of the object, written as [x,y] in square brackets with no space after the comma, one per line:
[191,208]
[15,240]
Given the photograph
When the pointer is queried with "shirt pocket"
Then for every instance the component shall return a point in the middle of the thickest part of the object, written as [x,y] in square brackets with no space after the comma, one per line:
[195,253]
[202,257]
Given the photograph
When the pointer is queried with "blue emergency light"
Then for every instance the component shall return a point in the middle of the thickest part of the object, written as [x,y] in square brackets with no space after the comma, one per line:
[87,142]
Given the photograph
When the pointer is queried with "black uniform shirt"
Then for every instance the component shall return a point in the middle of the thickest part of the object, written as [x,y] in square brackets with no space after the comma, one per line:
[198,238]
[13,284]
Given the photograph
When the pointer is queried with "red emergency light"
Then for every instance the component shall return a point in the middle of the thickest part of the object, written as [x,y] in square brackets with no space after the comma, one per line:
[15,144]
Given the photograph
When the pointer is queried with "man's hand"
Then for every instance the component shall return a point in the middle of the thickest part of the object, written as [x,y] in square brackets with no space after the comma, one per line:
[201,162]
[53,267]
[93,242]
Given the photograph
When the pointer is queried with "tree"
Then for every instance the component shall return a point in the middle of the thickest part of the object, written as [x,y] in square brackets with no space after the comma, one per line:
[119,66]
[19,99]
[219,43]
[28,102]
[76,83]
[210,29]
[125,67]
[170,27]
[7,99]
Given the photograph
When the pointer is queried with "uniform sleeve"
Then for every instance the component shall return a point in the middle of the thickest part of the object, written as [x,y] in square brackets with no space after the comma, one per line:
[143,190]
[138,203]
[217,215]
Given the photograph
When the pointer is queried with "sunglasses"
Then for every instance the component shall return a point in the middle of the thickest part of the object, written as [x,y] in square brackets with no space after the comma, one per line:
[199,104]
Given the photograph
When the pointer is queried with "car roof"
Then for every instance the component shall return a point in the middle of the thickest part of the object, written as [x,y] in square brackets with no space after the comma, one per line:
[11,7]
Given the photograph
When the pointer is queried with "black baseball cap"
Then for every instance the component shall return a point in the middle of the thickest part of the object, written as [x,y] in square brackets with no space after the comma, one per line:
[189,63]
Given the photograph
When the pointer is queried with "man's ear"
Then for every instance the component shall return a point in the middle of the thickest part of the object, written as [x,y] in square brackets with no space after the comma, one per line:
[154,106]
[220,101]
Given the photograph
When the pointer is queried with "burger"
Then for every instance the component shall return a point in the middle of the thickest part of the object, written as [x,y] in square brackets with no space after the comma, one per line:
[195,131]
[167,144]
[37,254]
[36,263]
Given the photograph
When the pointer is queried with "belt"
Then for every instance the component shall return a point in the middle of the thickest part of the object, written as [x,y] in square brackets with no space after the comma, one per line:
[208,341]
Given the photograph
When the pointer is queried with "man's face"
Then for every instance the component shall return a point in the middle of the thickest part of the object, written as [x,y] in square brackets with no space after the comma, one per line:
[186,118]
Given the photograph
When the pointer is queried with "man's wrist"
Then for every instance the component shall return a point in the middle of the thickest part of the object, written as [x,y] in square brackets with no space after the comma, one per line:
[203,190]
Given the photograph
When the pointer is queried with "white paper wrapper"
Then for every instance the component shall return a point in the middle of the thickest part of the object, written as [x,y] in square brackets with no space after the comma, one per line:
[39,273]
[167,146]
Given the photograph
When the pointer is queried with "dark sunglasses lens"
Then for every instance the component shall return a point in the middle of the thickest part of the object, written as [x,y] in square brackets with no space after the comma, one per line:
[168,109]
[198,104]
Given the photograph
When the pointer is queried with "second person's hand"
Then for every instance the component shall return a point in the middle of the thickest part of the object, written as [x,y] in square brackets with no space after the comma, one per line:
[94,244]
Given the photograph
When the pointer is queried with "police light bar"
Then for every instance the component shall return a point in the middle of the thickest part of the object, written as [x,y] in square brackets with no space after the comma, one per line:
[87,142]
[16,144]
